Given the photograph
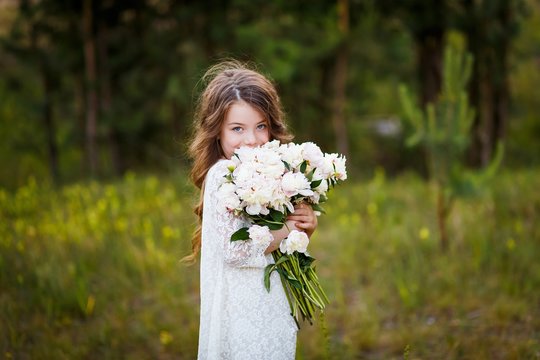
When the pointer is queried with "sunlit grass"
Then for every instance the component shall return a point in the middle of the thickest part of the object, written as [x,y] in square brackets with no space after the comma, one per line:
[92,271]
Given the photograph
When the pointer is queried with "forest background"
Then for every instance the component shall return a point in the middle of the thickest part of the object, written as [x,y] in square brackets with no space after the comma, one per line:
[96,105]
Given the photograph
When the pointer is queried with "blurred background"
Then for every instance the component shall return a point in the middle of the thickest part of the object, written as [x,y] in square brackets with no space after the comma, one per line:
[427,251]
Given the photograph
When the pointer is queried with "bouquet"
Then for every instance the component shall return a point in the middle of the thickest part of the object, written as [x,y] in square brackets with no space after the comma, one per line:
[263,184]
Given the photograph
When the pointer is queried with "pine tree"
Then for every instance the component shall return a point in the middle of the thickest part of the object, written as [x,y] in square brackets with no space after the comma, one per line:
[443,129]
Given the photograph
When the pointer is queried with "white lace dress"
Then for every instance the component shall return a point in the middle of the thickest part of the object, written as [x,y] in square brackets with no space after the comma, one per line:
[239,318]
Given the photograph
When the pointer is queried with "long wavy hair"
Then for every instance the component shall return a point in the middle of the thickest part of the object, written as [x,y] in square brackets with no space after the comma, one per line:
[227,83]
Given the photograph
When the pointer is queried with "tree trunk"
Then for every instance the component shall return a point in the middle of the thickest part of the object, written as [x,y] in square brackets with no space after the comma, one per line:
[485,107]
[501,89]
[443,209]
[47,107]
[429,53]
[48,119]
[91,95]
[502,99]
[106,100]
[429,47]
[340,80]
[324,105]
[489,90]
[80,113]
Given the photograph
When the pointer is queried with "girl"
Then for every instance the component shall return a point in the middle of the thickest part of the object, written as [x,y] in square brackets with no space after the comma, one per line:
[239,318]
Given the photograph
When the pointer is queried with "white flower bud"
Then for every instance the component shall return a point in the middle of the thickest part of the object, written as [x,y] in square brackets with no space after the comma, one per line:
[296,241]
[260,235]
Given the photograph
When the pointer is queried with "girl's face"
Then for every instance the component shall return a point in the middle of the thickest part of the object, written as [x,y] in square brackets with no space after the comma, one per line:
[243,126]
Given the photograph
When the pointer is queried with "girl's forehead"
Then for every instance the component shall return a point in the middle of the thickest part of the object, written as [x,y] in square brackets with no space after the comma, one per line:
[242,111]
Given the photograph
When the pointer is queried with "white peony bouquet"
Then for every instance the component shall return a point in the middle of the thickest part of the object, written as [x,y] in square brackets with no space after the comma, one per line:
[264,184]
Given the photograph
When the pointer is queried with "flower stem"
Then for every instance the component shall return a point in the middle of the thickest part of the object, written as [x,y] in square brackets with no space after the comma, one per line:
[303,300]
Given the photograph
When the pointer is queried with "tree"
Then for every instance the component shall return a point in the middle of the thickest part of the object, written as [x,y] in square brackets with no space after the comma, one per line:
[428,22]
[91,83]
[443,129]
[340,79]
[490,27]
[32,41]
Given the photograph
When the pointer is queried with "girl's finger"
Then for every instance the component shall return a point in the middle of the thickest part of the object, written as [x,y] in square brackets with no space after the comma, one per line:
[298,213]
[302,212]
[302,218]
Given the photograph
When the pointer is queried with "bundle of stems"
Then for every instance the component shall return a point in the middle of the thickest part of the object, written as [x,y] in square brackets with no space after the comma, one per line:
[301,284]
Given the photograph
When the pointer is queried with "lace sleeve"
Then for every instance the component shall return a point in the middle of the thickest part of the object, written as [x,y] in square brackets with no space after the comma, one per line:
[224,224]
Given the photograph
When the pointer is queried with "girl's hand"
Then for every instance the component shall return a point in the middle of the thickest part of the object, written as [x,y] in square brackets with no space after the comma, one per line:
[304,218]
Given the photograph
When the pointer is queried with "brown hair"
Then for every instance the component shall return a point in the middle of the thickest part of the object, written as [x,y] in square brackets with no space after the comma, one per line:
[227,83]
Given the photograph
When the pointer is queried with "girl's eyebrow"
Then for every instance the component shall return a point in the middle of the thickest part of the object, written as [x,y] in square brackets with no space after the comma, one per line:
[242,124]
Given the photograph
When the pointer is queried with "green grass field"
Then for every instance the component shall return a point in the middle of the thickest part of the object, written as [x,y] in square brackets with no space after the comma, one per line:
[92,271]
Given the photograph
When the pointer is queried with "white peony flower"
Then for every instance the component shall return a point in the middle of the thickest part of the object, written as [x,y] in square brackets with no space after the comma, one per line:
[327,166]
[228,199]
[280,201]
[260,235]
[313,154]
[227,188]
[292,154]
[244,173]
[296,241]
[269,163]
[273,145]
[257,195]
[322,188]
[315,198]
[243,154]
[231,202]
[336,163]
[295,183]
[341,170]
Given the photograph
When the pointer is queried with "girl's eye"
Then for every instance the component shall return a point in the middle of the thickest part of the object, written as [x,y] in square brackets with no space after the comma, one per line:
[236,129]
[261,126]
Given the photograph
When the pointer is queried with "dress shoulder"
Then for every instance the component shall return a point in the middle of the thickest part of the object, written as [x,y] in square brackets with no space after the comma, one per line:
[218,170]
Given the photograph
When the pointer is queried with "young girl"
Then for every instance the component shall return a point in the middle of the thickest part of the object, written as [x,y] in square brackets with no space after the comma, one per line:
[239,318]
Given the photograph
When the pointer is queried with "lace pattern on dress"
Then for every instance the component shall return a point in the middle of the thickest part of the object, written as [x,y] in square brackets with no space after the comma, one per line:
[239,318]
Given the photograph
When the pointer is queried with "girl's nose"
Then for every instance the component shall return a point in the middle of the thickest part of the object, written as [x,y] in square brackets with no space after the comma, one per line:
[249,139]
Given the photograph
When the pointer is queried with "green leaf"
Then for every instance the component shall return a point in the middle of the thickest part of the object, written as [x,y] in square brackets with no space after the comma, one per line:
[287,166]
[303,166]
[267,272]
[415,139]
[290,279]
[309,176]
[315,183]
[269,222]
[276,215]
[305,261]
[282,259]
[241,234]
[273,226]
[294,282]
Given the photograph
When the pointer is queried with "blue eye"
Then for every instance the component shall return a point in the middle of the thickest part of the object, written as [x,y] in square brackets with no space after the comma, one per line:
[261,126]
[236,129]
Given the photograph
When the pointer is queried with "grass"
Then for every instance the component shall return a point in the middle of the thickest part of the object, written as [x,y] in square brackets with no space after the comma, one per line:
[92,271]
